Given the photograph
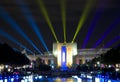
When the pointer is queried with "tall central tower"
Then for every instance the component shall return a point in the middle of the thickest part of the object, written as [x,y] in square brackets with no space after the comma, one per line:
[64,53]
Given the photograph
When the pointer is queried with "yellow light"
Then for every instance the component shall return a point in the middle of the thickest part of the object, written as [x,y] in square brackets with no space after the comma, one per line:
[45,14]
[83,18]
[69,57]
[59,56]
[58,80]
[117,65]
[69,80]
[57,41]
[63,13]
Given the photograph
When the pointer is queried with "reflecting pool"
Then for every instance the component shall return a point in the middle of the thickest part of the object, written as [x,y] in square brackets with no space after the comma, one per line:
[37,78]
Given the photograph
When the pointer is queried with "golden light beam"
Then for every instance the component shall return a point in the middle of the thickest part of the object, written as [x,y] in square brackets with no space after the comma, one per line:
[63,13]
[83,18]
[45,14]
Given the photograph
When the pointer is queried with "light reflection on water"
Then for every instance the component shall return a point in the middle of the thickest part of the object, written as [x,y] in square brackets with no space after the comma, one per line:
[65,80]
[32,78]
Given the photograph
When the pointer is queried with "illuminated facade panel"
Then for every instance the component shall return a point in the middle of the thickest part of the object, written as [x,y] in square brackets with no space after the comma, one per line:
[69,57]
[63,57]
[70,51]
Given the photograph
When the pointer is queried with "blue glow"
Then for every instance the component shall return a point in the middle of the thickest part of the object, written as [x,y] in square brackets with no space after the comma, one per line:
[1,80]
[12,79]
[15,49]
[25,80]
[22,81]
[92,26]
[112,41]
[107,31]
[109,80]
[40,77]
[13,40]
[63,58]
[88,76]
[97,79]
[36,77]
[26,77]
[5,80]
[54,79]
[14,25]
[31,21]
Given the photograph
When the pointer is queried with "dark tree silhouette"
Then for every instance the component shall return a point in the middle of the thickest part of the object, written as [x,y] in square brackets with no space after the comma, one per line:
[10,57]
[112,56]
[41,66]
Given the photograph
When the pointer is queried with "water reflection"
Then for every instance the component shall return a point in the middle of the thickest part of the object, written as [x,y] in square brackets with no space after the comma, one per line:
[32,78]
[65,80]
[58,80]
[70,80]
[104,80]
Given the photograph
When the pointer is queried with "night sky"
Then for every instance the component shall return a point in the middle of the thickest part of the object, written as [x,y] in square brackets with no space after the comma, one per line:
[103,20]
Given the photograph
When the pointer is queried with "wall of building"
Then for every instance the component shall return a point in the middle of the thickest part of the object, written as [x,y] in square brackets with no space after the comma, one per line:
[82,57]
[85,55]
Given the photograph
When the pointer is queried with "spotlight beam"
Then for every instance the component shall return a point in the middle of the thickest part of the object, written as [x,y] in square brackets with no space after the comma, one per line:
[92,25]
[32,23]
[15,26]
[107,31]
[6,35]
[16,49]
[45,14]
[63,13]
[117,38]
[83,18]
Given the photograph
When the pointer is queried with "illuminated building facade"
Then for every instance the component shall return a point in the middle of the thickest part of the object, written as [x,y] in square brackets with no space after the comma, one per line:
[67,55]
[64,53]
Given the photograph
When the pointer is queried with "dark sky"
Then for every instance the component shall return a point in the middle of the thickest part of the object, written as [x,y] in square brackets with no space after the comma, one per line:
[104,16]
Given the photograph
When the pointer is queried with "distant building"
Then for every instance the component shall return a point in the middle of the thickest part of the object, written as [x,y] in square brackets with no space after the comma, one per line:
[68,55]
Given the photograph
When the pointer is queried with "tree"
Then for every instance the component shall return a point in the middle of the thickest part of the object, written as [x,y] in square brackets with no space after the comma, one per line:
[112,56]
[41,66]
[10,57]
